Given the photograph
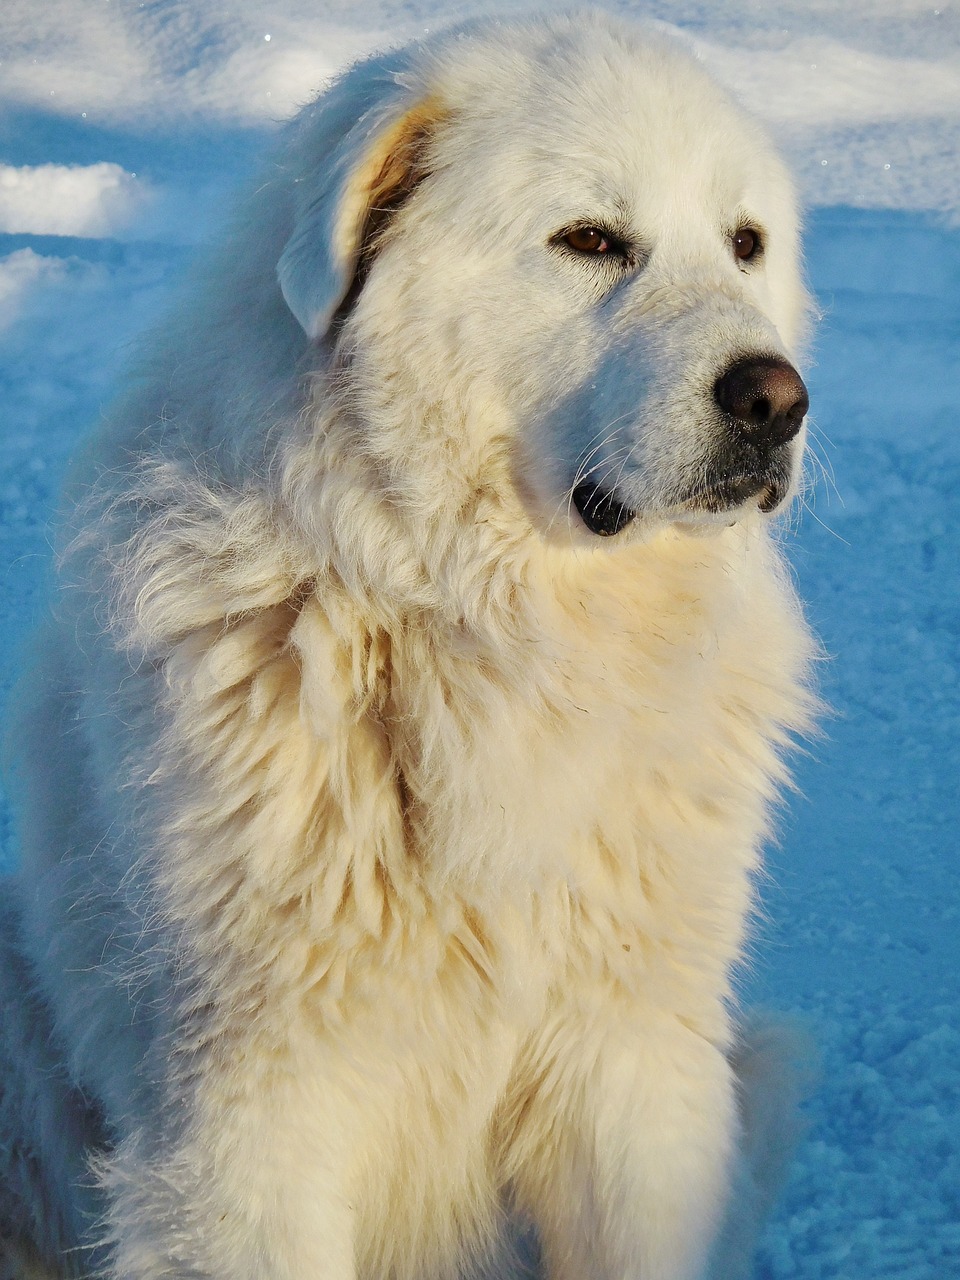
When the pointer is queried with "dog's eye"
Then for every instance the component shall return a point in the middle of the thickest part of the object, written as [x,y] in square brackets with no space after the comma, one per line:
[746,244]
[588,240]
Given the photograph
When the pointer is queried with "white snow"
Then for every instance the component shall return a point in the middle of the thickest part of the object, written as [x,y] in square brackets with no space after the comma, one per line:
[173,62]
[862,929]
[70,200]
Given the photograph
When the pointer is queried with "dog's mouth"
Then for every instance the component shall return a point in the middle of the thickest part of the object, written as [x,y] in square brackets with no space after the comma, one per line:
[724,487]
[600,509]
[734,482]
[605,515]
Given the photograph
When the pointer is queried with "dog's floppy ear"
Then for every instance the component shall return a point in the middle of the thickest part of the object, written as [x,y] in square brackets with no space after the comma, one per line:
[346,203]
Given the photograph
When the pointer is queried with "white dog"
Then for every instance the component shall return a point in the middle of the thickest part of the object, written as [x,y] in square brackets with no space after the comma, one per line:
[392,778]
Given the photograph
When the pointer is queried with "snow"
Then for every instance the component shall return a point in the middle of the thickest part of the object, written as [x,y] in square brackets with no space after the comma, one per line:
[864,914]
[126,127]
[94,200]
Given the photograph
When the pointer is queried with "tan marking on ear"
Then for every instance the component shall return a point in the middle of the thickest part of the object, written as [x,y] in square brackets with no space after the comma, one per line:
[385,179]
[397,162]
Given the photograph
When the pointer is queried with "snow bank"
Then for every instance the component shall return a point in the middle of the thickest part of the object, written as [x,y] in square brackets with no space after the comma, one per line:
[865,97]
[231,60]
[862,128]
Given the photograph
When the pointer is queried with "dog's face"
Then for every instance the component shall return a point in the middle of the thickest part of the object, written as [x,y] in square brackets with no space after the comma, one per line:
[570,242]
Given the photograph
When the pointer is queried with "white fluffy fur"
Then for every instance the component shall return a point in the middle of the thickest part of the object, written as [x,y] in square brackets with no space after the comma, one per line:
[388,837]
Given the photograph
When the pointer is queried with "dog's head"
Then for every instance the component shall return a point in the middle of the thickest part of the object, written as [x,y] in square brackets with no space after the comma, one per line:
[561,243]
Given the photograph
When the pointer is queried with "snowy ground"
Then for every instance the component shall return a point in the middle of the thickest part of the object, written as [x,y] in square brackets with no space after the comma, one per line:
[123,127]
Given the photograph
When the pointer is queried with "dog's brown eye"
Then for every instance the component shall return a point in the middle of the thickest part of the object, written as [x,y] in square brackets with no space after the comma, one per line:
[746,243]
[588,240]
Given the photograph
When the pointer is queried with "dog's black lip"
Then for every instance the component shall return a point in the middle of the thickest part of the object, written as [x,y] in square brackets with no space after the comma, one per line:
[733,491]
[770,498]
[600,509]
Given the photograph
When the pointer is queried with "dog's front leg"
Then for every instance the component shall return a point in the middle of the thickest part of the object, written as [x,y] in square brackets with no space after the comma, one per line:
[624,1147]
[253,1186]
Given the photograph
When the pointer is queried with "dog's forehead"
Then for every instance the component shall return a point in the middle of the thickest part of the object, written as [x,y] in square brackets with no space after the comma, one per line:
[595,118]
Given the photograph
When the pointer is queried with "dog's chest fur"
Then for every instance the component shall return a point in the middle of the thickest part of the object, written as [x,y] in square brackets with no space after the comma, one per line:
[598,784]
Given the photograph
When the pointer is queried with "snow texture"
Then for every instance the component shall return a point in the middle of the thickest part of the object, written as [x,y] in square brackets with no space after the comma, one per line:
[94,200]
[124,128]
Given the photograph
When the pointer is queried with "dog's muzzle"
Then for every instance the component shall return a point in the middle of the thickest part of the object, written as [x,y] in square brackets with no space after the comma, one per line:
[760,402]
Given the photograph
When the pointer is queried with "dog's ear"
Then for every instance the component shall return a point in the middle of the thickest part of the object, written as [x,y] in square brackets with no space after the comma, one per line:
[347,203]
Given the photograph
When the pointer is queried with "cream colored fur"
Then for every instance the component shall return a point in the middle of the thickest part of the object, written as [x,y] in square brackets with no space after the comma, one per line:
[389,838]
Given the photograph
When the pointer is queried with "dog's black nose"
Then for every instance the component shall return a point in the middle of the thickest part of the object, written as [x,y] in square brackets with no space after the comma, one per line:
[765,397]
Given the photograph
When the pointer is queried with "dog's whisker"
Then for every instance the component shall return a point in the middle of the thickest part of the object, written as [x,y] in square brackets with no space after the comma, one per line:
[833,533]
[825,467]
[599,470]
[583,468]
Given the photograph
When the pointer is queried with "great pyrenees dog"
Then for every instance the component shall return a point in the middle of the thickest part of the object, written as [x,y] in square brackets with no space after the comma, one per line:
[393,772]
